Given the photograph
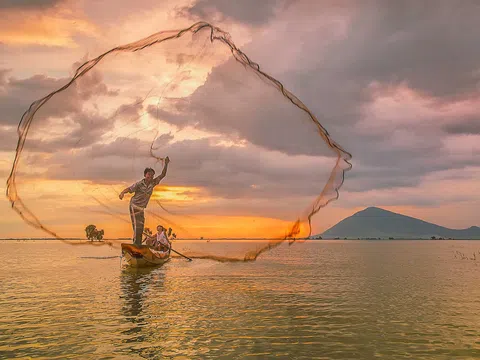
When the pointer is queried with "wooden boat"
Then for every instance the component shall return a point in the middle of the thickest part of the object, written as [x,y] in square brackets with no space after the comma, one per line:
[143,256]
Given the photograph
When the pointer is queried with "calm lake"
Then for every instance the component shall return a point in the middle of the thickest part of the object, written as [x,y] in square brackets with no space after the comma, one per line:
[317,300]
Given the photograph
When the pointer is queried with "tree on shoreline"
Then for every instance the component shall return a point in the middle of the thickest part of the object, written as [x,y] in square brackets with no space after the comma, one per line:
[94,234]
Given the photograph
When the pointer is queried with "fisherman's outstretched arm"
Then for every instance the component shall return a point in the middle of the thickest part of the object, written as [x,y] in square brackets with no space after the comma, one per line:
[164,171]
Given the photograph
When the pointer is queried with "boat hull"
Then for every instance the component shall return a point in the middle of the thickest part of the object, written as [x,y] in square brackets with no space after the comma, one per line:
[143,256]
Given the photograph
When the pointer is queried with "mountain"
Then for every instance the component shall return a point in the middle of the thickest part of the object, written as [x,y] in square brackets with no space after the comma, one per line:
[374,222]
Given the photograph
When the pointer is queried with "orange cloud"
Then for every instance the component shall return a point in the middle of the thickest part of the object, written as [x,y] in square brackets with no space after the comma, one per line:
[52,27]
[176,194]
[217,226]
[66,207]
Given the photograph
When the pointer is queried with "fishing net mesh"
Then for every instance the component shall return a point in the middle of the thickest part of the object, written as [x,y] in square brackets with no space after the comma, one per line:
[248,159]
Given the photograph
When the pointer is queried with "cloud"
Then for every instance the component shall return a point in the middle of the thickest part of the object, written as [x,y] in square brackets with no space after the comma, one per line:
[225,171]
[394,83]
[393,112]
[419,43]
[47,23]
[3,76]
[436,189]
[249,12]
[464,126]
[18,94]
[28,4]
[385,82]
[238,104]
[9,138]
[63,122]
[465,148]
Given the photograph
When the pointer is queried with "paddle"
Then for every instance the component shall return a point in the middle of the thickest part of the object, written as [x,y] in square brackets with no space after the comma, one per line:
[175,251]
[181,254]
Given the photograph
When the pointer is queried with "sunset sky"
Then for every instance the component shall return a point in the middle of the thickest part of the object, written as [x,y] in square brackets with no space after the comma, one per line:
[395,83]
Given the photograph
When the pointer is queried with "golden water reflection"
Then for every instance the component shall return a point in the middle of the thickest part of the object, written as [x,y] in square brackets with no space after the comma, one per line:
[328,299]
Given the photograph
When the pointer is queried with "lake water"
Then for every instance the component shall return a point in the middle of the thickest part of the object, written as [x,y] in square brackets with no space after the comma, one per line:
[317,300]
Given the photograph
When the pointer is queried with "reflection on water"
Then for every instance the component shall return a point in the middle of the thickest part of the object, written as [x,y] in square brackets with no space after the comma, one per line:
[328,300]
[134,284]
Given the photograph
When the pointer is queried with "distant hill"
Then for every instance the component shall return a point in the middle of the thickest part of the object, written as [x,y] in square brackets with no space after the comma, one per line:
[374,222]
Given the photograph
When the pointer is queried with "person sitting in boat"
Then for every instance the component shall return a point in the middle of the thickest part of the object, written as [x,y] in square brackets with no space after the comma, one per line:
[161,242]
[150,240]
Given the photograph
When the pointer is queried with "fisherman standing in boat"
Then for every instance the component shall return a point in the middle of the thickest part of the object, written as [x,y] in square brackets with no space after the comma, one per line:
[143,191]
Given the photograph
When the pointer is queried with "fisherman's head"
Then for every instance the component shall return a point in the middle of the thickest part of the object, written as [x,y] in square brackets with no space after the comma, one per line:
[159,228]
[149,173]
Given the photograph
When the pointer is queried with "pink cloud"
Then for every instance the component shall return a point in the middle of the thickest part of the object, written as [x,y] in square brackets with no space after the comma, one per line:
[400,106]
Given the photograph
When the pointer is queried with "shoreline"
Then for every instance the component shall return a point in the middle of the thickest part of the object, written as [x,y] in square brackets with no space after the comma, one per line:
[250,239]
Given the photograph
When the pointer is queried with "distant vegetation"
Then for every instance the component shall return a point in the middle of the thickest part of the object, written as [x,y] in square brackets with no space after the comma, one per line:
[173,235]
[93,233]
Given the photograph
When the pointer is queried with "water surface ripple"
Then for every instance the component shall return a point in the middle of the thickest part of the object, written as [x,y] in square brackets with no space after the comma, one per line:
[317,300]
